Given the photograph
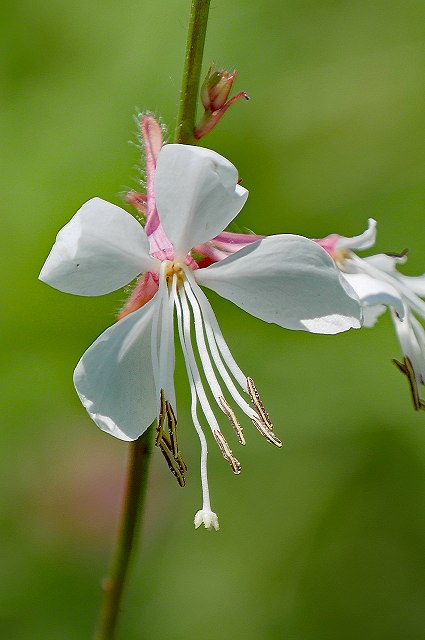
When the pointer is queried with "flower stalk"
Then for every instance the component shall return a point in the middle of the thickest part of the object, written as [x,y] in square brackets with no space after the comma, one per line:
[131,518]
[192,72]
[113,585]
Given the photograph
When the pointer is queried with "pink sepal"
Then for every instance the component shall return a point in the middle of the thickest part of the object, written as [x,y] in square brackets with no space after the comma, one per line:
[144,291]
[328,243]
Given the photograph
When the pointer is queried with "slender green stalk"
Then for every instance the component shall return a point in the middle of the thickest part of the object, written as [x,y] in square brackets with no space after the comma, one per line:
[113,585]
[192,72]
[131,516]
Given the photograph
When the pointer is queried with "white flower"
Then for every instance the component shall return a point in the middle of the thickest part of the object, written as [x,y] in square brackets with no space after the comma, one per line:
[379,286]
[126,378]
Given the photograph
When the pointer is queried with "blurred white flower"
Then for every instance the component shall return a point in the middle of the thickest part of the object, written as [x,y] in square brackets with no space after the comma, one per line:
[379,286]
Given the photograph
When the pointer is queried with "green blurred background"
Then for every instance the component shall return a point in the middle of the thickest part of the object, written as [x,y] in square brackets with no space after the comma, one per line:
[323,539]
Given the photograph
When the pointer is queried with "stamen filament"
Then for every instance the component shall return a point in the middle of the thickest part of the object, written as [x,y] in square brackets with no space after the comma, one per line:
[207,364]
[206,505]
[202,347]
[215,353]
[166,346]
[221,343]
[206,408]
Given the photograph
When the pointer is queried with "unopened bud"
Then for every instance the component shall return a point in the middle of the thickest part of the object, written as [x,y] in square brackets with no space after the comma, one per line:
[214,96]
[216,88]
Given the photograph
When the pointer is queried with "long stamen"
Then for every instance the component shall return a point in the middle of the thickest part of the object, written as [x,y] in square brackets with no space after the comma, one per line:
[154,339]
[258,403]
[407,369]
[266,432]
[227,452]
[206,505]
[227,409]
[221,343]
[167,442]
[206,408]
[207,312]
[262,421]
[216,342]
[166,345]
[163,357]
[215,353]
[208,367]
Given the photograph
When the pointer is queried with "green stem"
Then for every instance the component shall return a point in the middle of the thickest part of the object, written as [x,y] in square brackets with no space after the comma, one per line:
[192,72]
[131,517]
[113,585]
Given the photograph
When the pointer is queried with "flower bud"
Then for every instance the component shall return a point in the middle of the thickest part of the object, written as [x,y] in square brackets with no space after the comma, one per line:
[216,88]
[214,96]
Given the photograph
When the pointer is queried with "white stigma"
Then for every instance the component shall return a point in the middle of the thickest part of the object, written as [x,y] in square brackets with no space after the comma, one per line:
[208,519]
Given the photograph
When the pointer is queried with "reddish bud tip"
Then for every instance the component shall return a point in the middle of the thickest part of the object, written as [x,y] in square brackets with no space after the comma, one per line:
[216,88]
[215,92]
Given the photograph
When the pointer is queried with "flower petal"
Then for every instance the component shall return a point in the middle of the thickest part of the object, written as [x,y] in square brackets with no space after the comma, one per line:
[288,280]
[101,249]
[414,283]
[197,194]
[365,240]
[372,314]
[373,291]
[114,378]
[411,336]
[385,262]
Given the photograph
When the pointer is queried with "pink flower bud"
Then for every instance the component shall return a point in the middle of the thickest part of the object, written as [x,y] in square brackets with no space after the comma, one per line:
[214,96]
[216,88]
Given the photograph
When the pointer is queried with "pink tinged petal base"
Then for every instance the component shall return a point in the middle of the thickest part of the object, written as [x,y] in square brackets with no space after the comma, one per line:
[288,280]
[364,241]
[115,380]
[145,289]
[196,193]
[101,249]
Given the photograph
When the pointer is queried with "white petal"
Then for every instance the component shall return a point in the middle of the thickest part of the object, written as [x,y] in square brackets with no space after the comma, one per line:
[411,336]
[373,291]
[420,338]
[197,194]
[372,314]
[101,249]
[115,380]
[414,283]
[365,240]
[385,262]
[289,280]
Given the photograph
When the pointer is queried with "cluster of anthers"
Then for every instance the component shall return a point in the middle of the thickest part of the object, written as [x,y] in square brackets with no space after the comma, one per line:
[179,292]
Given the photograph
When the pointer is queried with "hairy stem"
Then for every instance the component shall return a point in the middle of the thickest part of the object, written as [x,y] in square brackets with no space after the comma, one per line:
[113,585]
[192,72]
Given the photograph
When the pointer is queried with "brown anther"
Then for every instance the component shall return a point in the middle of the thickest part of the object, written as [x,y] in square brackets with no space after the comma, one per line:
[167,442]
[268,434]
[407,369]
[258,404]
[227,452]
[227,409]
